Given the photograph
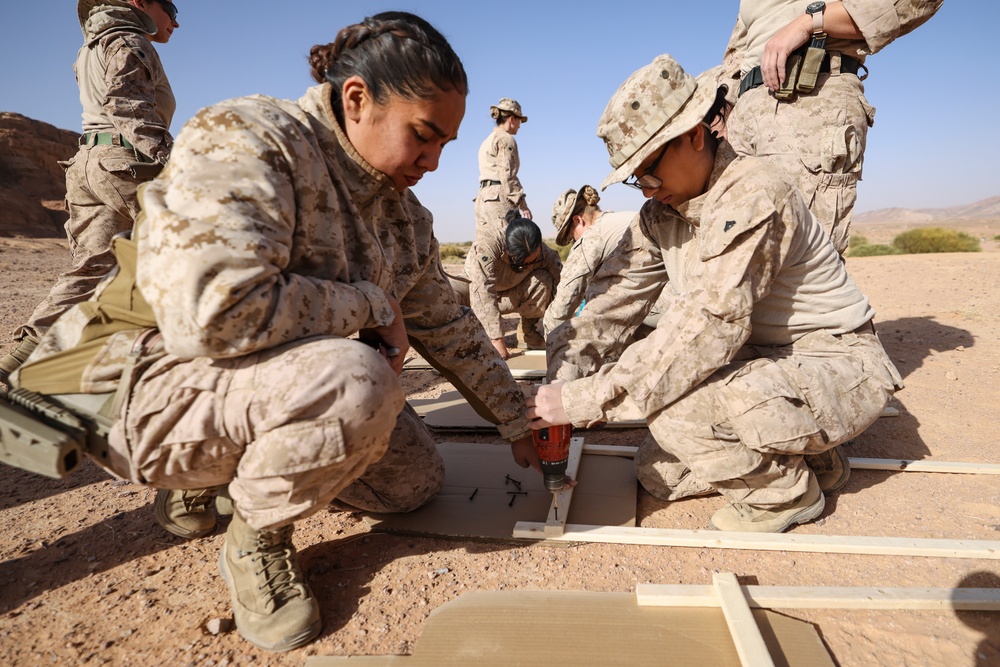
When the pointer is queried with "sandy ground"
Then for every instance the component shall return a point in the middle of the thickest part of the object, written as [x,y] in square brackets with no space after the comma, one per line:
[87,577]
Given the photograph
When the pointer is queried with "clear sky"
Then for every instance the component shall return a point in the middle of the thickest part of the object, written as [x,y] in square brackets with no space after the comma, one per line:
[935,89]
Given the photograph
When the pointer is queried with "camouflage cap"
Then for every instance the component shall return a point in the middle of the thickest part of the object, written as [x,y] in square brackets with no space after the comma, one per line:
[83,8]
[510,106]
[657,103]
[562,211]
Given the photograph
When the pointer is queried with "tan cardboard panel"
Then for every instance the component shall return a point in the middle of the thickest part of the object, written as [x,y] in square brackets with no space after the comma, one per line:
[575,628]
[475,501]
[525,365]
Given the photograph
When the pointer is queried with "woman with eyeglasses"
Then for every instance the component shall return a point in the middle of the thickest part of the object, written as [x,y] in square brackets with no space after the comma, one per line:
[127,108]
[500,189]
[254,335]
[765,359]
[518,274]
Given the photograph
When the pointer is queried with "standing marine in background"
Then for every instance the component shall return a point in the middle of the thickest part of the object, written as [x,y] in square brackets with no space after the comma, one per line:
[595,235]
[499,188]
[799,100]
[127,108]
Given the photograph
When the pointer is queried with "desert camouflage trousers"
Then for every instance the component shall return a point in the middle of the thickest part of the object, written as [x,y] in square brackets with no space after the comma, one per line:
[745,430]
[529,298]
[101,196]
[288,429]
[818,139]
[491,221]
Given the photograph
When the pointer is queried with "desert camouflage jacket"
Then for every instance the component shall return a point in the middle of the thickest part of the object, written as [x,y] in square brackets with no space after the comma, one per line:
[123,87]
[499,161]
[585,257]
[267,227]
[746,263]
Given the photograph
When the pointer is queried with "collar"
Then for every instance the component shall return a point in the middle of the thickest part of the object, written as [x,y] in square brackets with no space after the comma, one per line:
[691,209]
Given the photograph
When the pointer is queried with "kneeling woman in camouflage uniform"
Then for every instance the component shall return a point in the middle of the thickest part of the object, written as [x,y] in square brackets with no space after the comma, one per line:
[279,230]
[766,355]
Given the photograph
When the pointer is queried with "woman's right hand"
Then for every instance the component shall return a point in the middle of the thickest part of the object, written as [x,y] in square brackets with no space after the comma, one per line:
[501,347]
[526,213]
[393,337]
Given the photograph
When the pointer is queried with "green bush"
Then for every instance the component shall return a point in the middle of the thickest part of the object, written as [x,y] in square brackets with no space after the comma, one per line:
[563,250]
[997,237]
[870,249]
[857,240]
[935,239]
[457,250]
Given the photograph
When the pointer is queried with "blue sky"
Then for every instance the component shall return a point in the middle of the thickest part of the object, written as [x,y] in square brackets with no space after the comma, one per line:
[935,90]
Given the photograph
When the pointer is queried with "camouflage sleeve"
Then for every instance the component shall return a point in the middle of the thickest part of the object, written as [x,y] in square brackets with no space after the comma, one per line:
[131,100]
[220,223]
[882,21]
[481,270]
[509,163]
[618,298]
[451,339]
[573,282]
[705,326]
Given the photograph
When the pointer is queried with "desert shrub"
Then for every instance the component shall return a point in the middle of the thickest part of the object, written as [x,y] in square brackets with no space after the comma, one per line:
[871,250]
[857,240]
[935,239]
[456,250]
[563,250]
[997,237]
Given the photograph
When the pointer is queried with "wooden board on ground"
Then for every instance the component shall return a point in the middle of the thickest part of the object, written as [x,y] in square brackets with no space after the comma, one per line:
[573,628]
[526,365]
[475,500]
[451,412]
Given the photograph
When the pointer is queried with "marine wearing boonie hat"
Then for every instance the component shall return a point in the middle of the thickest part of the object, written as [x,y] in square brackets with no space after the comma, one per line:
[655,104]
[508,105]
[83,8]
[562,211]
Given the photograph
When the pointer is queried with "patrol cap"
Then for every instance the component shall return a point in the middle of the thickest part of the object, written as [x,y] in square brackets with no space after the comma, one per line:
[562,210]
[656,104]
[509,105]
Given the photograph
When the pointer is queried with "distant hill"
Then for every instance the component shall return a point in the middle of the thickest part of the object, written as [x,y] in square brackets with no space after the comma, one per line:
[987,208]
[32,184]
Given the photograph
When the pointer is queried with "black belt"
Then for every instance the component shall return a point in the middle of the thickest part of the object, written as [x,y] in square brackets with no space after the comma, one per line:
[848,65]
[866,328]
[484,184]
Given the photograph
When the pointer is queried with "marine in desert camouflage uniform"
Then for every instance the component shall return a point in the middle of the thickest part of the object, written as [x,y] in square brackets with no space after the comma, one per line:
[516,273]
[767,353]
[127,108]
[277,232]
[817,137]
[595,235]
[500,189]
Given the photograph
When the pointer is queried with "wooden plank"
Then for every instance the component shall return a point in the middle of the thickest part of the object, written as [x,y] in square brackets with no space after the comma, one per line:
[825,597]
[898,465]
[710,539]
[742,626]
[904,465]
[555,523]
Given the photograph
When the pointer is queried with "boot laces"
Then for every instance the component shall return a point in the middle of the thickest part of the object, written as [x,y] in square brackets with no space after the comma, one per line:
[198,500]
[280,576]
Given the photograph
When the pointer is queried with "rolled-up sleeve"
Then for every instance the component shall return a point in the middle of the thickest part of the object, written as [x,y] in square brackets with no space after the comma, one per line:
[882,21]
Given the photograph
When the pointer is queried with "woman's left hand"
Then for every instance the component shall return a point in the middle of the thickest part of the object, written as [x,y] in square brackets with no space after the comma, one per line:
[545,406]
[525,453]
[779,47]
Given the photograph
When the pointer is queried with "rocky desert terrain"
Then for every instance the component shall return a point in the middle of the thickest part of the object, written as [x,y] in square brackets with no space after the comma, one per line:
[88,578]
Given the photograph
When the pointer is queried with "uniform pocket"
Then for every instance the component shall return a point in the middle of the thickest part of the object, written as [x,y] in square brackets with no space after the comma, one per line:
[768,412]
[294,448]
[490,193]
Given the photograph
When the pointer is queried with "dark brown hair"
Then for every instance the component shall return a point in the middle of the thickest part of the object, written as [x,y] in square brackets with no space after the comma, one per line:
[396,53]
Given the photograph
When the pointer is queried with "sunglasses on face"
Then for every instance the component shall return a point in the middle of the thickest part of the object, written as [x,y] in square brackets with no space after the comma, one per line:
[169,7]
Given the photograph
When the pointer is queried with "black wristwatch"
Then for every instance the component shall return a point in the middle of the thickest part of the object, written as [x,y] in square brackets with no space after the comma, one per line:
[816,10]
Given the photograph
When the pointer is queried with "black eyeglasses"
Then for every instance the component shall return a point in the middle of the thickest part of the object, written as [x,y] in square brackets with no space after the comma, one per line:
[647,180]
[169,7]
[521,266]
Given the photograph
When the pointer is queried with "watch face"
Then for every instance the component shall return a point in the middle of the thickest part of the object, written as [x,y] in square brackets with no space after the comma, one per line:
[815,7]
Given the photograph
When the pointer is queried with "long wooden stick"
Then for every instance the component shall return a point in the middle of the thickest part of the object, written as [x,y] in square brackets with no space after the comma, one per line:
[884,546]
[555,523]
[824,597]
[746,635]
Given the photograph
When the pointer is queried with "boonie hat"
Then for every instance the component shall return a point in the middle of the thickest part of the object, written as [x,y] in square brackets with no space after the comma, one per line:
[656,104]
[509,105]
[83,8]
[562,212]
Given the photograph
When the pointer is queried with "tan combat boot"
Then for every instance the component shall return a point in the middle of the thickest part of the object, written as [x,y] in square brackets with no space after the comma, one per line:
[272,604]
[748,518]
[185,513]
[11,362]
[533,340]
[832,468]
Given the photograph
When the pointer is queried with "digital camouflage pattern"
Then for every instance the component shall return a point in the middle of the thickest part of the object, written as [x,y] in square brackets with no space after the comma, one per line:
[264,276]
[585,257]
[124,90]
[498,161]
[748,367]
[496,289]
[818,138]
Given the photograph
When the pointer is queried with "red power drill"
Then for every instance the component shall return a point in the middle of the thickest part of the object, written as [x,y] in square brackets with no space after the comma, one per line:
[552,444]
